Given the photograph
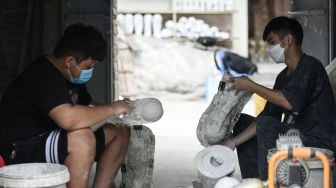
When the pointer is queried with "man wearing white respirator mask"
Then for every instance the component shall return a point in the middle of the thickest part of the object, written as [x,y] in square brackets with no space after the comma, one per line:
[301,98]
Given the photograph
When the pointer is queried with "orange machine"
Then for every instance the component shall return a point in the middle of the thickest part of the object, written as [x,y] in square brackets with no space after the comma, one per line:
[304,153]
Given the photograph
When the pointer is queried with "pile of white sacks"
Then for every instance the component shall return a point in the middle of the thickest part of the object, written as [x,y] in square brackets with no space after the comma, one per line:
[152,25]
[193,28]
[161,68]
[169,68]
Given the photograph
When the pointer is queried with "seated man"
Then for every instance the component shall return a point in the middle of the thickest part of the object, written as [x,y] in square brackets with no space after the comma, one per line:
[302,98]
[45,114]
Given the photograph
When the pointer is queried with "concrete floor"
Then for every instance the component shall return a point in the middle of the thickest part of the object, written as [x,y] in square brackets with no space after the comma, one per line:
[177,143]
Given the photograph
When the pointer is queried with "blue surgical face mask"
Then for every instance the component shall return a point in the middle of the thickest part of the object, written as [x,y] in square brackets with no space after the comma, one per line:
[84,76]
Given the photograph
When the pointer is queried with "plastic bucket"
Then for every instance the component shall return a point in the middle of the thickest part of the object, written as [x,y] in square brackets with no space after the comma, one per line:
[315,167]
[34,175]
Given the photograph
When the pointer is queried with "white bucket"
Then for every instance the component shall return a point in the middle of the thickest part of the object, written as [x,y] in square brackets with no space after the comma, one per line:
[34,175]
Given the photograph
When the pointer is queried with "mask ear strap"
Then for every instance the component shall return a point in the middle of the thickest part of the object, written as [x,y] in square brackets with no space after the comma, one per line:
[68,70]
[67,65]
[284,40]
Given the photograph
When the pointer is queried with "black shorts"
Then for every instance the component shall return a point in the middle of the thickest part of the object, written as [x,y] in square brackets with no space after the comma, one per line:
[49,147]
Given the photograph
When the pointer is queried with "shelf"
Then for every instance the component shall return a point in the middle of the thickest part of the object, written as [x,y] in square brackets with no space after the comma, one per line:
[145,12]
[206,12]
[175,12]
[177,39]
[227,40]
[234,19]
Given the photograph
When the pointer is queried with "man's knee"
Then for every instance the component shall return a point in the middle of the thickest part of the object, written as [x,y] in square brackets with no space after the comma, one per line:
[82,142]
[119,134]
[243,122]
[264,122]
[269,124]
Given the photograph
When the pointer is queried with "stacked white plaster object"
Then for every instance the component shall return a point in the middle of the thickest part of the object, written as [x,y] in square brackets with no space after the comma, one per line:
[138,24]
[214,163]
[147,110]
[148,25]
[128,24]
[137,170]
[215,126]
[143,111]
[218,120]
[157,25]
[152,25]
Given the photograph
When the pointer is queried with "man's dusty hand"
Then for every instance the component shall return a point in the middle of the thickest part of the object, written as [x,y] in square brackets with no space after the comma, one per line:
[230,144]
[241,82]
[121,107]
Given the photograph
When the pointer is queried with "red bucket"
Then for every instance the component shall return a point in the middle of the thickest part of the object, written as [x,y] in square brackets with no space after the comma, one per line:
[2,161]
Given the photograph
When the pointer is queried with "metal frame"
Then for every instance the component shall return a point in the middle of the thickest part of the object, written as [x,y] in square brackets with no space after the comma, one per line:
[326,8]
[331,30]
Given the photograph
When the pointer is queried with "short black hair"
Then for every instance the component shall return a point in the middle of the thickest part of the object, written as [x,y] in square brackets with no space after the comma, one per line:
[283,26]
[82,42]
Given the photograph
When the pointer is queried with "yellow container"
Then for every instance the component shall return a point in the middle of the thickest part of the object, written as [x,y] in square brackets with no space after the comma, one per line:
[259,103]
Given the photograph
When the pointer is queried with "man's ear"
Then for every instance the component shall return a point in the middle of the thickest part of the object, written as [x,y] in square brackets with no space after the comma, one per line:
[69,61]
[289,40]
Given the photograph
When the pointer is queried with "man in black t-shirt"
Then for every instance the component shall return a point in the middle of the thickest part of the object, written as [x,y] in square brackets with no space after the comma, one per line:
[46,116]
[302,99]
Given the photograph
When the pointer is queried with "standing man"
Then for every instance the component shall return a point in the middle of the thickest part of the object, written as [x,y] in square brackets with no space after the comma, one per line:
[302,99]
[45,114]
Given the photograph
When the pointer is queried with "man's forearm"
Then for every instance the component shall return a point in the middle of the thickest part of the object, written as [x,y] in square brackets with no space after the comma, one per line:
[247,134]
[88,116]
[273,96]
[72,117]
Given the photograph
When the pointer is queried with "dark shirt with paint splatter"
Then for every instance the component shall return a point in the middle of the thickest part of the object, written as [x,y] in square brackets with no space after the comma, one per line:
[309,92]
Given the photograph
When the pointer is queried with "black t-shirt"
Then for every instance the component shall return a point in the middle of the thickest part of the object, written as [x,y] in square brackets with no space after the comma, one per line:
[26,103]
[309,92]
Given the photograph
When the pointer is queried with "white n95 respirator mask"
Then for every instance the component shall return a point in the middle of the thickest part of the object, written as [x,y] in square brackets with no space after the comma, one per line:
[277,53]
